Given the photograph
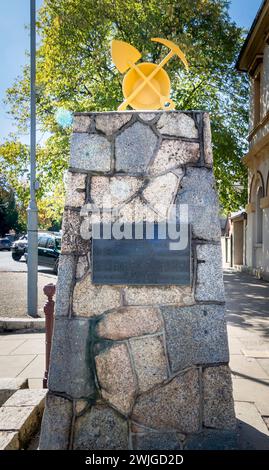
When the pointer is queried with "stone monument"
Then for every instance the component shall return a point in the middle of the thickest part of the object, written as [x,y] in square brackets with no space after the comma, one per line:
[139,366]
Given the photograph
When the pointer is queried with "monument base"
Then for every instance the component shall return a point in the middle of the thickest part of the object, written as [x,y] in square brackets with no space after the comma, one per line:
[141,367]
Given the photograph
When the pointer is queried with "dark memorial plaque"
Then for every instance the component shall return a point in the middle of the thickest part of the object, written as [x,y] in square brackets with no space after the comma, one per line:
[140,261]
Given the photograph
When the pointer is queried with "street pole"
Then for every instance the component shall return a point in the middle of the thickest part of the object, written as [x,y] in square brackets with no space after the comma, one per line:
[32,208]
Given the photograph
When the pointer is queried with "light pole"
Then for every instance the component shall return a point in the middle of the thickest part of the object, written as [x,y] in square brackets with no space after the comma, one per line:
[32,208]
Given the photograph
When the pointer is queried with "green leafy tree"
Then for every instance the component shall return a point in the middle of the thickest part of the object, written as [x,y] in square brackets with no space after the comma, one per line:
[74,71]
[9,210]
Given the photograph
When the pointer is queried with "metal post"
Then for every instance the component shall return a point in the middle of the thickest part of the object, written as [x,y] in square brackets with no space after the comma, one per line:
[49,291]
[32,209]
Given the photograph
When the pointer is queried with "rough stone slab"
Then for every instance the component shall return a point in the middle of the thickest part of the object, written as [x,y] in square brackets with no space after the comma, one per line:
[27,397]
[149,360]
[161,191]
[128,322]
[207,140]
[81,406]
[213,440]
[195,335]
[178,125]
[9,440]
[158,295]
[198,191]
[116,377]
[157,441]
[112,192]
[70,346]
[90,152]
[64,284]
[218,398]
[101,428]
[82,123]
[8,386]
[56,423]
[72,241]
[76,189]
[146,116]
[134,148]
[173,406]
[83,266]
[173,154]
[25,420]
[90,300]
[209,284]
[138,211]
[109,123]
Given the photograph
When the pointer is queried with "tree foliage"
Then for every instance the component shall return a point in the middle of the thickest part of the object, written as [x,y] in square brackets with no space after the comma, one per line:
[9,211]
[74,71]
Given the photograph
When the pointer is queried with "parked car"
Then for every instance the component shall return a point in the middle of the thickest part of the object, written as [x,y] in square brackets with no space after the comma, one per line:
[5,244]
[49,248]
[18,248]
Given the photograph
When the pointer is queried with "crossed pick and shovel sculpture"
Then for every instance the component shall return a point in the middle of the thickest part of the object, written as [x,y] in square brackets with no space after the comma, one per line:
[146,85]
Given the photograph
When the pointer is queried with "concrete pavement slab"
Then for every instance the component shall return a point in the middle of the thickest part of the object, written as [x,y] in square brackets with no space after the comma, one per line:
[252,390]
[249,366]
[11,366]
[19,336]
[253,433]
[35,370]
[235,345]
[30,346]
[258,353]
[6,347]
[264,363]
[9,440]
[27,397]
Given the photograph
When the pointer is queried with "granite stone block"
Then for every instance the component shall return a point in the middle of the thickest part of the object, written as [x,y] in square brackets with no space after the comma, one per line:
[178,125]
[56,423]
[198,192]
[218,398]
[209,286]
[66,272]
[134,148]
[71,345]
[116,377]
[111,123]
[195,335]
[174,154]
[101,428]
[173,406]
[91,300]
[90,152]
[129,321]
[149,361]
[157,441]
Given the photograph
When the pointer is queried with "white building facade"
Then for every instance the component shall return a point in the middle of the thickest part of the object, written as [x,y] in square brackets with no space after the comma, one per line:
[254,59]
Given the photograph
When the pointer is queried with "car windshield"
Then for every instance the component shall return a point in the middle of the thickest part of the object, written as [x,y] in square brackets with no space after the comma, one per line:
[58,243]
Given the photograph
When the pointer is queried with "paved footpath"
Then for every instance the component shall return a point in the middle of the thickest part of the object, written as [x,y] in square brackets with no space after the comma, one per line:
[22,355]
[248,332]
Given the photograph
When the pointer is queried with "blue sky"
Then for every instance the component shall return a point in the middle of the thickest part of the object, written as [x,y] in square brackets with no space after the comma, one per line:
[14,41]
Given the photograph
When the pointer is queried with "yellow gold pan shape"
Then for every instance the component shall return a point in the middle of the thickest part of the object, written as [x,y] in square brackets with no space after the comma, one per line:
[146,85]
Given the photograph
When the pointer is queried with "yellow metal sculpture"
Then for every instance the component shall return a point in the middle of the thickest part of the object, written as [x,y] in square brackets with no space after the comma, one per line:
[145,85]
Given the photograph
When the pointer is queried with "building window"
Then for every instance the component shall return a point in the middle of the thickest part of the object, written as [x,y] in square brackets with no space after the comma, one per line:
[259,216]
[257,98]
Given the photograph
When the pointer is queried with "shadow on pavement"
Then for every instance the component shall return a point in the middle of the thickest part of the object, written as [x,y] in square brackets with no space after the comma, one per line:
[247,302]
